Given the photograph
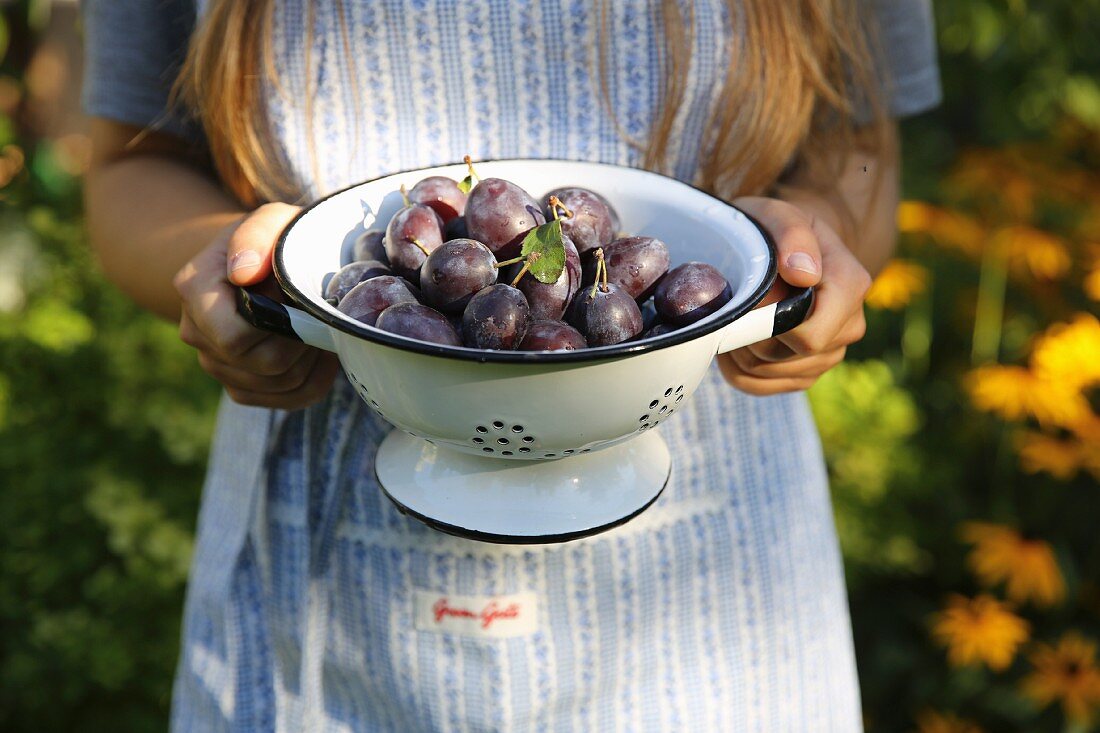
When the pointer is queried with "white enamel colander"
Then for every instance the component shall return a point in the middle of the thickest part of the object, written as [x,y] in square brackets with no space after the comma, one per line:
[526,447]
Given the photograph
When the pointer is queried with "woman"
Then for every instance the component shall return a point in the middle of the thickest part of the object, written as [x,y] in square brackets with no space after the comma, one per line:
[720,608]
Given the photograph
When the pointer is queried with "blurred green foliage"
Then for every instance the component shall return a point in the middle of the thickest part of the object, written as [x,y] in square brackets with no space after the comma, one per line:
[105,418]
[105,421]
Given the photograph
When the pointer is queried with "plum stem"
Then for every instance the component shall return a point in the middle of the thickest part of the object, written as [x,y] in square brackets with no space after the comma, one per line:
[601,267]
[423,249]
[523,271]
[555,204]
[528,261]
[405,195]
[505,263]
[470,167]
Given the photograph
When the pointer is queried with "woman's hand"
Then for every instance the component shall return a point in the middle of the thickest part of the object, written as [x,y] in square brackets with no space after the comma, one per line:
[256,367]
[810,254]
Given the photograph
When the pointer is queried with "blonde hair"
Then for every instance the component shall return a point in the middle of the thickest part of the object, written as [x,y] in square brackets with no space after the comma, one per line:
[797,71]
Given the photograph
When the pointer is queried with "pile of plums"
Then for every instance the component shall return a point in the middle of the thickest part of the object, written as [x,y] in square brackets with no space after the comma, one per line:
[448,269]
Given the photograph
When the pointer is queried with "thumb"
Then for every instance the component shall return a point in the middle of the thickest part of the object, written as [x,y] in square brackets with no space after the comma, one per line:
[800,266]
[796,241]
[248,257]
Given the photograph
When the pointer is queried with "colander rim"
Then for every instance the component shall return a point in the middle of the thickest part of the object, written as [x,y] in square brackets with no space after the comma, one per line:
[597,353]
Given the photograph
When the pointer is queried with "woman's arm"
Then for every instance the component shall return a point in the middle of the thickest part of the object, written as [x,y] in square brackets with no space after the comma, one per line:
[818,248]
[868,188]
[169,237]
[150,209]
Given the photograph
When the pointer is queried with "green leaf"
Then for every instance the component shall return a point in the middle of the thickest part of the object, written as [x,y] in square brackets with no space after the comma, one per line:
[466,184]
[545,241]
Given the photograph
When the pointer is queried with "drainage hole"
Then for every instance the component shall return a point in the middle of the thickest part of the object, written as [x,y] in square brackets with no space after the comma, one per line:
[506,452]
[679,398]
[517,428]
[664,410]
[680,389]
[668,391]
[502,441]
[567,452]
[549,455]
[652,404]
[487,449]
[479,441]
[643,418]
[528,439]
[482,429]
[498,424]
[524,449]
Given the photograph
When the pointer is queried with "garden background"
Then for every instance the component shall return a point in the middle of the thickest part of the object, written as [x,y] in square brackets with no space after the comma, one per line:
[962,434]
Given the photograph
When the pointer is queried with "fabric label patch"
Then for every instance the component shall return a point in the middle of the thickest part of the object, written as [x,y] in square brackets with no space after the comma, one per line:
[487,617]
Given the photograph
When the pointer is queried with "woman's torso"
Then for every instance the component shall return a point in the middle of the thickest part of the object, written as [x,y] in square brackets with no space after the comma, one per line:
[431,81]
[720,608]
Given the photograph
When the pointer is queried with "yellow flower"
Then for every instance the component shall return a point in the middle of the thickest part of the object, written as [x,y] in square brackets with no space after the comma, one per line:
[1092,460]
[896,285]
[1092,281]
[999,174]
[1065,673]
[1088,432]
[1028,249]
[1018,193]
[1026,566]
[1013,393]
[1069,353]
[948,228]
[957,230]
[979,630]
[1062,459]
[932,722]
[915,217]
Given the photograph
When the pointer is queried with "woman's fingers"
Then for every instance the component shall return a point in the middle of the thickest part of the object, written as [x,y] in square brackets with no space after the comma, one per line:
[213,314]
[771,350]
[211,323]
[311,391]
[796,241]
[810,254]
[241,345]
[294,376]
[256,367]
[808,366]
[760,386]
[838,298]
[276,372]
[248,256]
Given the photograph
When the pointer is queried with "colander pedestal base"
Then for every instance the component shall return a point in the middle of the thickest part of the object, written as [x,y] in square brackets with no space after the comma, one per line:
[522,502]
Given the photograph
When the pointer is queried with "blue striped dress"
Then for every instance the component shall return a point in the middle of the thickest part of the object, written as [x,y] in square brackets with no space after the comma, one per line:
[314,605]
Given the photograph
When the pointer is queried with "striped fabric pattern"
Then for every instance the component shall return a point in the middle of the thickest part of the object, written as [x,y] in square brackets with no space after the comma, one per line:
[434,80]
[721,608]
